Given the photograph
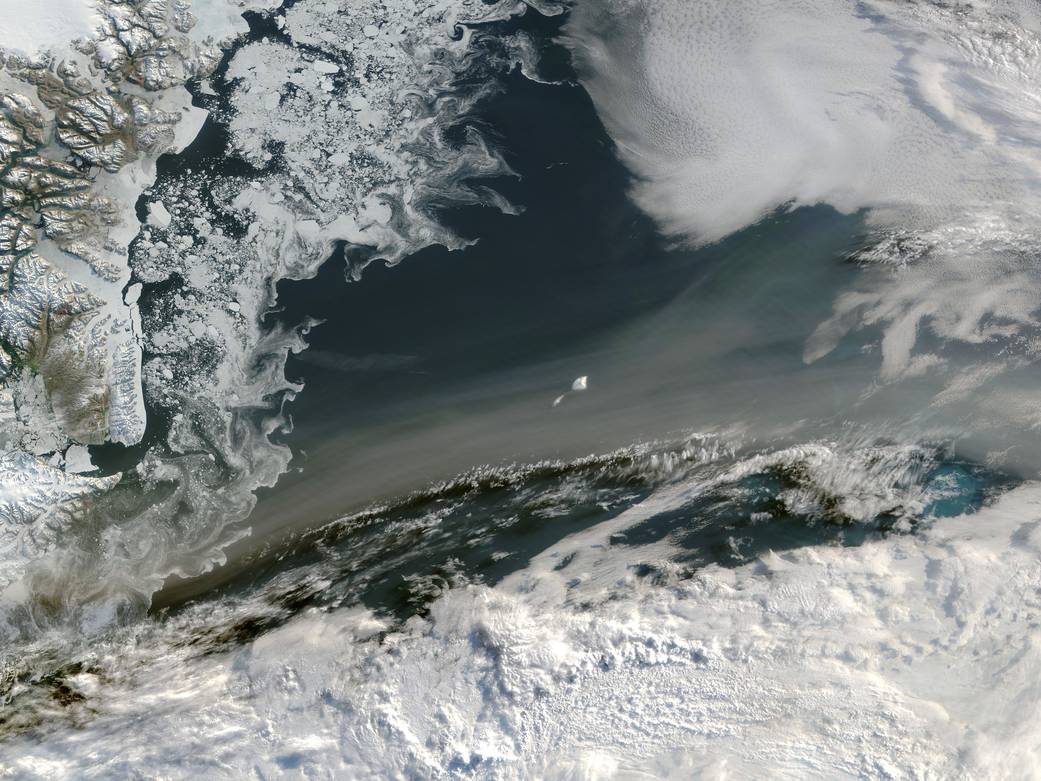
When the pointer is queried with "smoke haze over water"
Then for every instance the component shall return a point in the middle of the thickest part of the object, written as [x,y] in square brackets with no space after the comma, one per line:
[717,457]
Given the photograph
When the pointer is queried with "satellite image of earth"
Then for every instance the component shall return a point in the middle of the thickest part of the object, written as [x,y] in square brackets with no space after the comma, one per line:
[520,389]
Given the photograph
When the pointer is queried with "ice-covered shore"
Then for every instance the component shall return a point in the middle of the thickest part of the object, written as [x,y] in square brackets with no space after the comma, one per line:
[326,113]
[92,94]
[911,656]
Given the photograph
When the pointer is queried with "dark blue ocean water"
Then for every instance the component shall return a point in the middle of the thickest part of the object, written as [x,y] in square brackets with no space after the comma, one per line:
[450,360]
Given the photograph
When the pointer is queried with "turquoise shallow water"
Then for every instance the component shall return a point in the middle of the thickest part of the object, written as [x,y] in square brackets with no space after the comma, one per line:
[428,454]
[449,360]
[484,525]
